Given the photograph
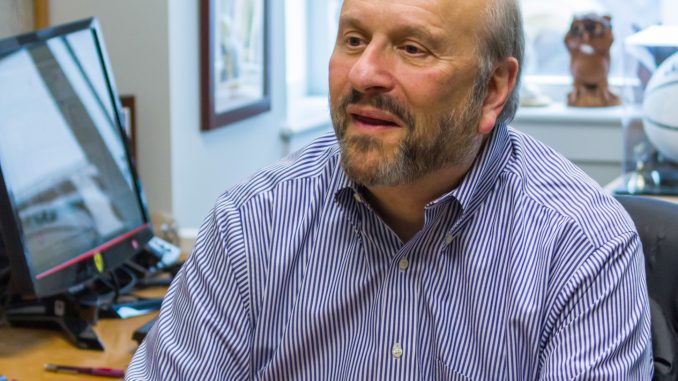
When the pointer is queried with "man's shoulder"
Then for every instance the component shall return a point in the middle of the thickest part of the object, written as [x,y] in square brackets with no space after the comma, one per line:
[551,181]
[314,163]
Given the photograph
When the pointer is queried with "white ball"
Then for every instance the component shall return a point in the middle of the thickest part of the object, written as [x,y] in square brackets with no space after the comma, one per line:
[660,108]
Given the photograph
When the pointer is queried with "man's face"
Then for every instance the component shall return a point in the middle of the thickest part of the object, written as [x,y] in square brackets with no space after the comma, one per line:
[402,92]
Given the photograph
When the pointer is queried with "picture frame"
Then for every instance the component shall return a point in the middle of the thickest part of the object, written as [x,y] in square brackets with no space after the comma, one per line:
[40,14]
[234,62]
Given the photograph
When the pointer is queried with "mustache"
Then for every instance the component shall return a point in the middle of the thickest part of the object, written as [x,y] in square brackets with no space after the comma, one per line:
[382,102]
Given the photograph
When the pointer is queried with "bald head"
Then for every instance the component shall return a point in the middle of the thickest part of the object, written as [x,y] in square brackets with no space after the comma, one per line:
[497,26]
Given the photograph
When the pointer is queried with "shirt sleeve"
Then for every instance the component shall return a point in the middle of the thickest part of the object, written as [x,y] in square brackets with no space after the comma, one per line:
[203,332]
[603,330]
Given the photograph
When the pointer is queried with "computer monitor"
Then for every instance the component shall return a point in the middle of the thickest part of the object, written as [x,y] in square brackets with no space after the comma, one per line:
[71,204]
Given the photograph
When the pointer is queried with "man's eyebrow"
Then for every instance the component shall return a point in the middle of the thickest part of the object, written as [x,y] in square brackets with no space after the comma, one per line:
[350,21]
[424,35]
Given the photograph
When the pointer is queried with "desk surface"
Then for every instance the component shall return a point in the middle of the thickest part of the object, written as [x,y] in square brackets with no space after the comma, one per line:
[23,352]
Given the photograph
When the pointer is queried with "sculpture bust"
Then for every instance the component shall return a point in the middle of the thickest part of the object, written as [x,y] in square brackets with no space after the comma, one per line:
[588,41]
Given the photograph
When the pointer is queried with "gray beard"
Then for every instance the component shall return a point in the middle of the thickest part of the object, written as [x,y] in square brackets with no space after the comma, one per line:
[454,141]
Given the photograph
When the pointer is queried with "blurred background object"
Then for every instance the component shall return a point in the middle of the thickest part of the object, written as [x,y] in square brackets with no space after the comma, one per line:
[165,227]
[650,165]
[660,109]
[589,41]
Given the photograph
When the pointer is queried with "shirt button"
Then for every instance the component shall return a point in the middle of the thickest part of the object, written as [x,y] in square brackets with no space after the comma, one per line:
[404,264]
[397,351]
[449,238]
[357,197]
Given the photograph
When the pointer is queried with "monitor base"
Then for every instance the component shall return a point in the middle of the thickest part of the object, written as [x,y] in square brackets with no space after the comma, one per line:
[59,312]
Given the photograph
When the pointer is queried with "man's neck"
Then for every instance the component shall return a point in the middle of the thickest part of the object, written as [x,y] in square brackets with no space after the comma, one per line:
[402,206]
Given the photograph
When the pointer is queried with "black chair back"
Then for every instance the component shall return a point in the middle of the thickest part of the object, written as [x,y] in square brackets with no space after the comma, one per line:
[657,224]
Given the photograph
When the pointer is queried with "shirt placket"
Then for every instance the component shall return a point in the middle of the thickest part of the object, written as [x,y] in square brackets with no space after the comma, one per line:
[399,315]
[397,327]
[391,328]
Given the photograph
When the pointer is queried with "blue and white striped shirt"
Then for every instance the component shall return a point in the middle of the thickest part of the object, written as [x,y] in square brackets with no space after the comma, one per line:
[526,270]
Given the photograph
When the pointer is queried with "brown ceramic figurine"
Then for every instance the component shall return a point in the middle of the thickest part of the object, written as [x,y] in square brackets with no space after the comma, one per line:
[589,40]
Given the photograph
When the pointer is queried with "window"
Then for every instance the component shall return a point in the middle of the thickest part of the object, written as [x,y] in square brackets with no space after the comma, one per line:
[546,66]
[546,24]
[311,30]
[311,27]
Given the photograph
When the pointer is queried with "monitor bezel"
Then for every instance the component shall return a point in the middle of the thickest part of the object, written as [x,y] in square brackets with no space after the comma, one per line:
[23,280]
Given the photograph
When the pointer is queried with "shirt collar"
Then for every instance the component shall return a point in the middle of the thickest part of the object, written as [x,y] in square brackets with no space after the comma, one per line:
[484,173]
[474,187]
[344,188]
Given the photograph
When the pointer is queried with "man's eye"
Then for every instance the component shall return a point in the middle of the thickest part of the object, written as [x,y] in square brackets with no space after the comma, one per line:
[413,50]
[353,41]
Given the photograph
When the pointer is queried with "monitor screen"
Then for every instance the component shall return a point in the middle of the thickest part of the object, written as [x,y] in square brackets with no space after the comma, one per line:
[71,205]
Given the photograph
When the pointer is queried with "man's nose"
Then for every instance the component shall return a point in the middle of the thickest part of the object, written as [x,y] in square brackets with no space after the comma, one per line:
[372,71]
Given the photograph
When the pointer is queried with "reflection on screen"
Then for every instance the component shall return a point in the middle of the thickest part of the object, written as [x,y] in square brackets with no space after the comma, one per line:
[62,155]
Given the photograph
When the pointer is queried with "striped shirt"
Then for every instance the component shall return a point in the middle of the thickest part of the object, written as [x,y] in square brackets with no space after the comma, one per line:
[527,270]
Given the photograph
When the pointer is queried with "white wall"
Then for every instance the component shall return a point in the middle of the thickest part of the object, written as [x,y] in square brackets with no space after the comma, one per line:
[205,164]
[16,16]
[135,33]
[153,46]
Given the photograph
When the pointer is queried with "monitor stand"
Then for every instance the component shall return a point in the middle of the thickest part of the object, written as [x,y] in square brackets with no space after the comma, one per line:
[60,312]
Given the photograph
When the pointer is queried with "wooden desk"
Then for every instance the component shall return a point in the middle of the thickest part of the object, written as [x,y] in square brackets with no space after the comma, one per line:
[23,352]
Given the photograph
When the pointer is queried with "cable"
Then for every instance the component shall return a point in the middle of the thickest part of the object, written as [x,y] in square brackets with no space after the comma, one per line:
[4,279]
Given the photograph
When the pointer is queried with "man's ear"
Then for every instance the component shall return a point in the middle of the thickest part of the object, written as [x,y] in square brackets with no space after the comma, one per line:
[500,85]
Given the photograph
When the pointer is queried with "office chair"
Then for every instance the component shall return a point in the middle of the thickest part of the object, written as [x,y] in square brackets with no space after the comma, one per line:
[657,225]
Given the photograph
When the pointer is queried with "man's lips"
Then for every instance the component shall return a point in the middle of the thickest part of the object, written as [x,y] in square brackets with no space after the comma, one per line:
[372,117]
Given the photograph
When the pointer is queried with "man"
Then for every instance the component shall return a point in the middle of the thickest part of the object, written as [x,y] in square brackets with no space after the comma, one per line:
[431,242]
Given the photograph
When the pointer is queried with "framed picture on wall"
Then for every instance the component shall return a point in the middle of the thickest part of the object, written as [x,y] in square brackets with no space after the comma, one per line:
[40,14]
[235,67]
